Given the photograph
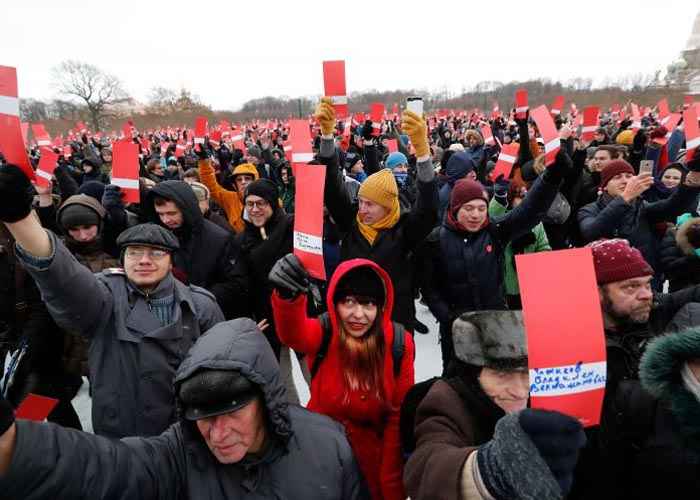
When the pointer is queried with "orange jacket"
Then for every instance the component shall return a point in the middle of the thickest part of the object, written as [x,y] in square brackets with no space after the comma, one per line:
[230,201]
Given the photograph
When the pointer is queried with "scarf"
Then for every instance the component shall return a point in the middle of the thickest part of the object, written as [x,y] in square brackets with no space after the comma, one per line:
[370,231]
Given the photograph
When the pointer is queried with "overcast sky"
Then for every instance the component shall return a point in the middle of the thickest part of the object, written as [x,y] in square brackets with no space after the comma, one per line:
[230,52]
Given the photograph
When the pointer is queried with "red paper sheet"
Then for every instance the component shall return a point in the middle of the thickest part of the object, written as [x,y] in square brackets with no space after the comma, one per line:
[392,145]
[521,105]
[300,140]
[334,86]
[125,169]
[664,111]
[36,407]
[200,129]
[590,122]
[506,159]
[41,136]
[548,131]
[308,217]
[564,327]
[12,144]
[486,133]
[558,105]
[24,127]
[692,131]
[376,114]
[47,163]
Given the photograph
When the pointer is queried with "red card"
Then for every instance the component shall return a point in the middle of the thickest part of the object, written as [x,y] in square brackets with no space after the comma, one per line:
[486,133]
[506,159]
[200,129]
[47,163]
[36,408]
[238,139]
[558,105]
[308,217]
[590,122]
[376,114]
[215,138]
[334,86]
[521,105]
[392,145]
[41,136]
[692,132]
[300,139]
[12,144]
[24,126]
[564,327]
[549,133]
[125,169]
[664,111]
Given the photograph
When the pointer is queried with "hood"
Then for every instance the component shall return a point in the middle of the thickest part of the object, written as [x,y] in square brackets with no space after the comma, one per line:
[182,195]
[342,270]
[459,165]
[682,236]
[240,345]
[84,200]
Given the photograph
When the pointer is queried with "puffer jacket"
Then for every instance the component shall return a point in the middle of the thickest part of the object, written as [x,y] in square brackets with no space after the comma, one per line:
[308,455]
[679,262]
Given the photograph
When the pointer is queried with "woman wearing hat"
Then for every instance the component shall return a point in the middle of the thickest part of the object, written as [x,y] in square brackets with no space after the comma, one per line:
[360,380]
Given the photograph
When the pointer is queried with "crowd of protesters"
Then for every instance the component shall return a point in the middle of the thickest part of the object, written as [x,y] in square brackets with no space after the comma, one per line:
[184,311]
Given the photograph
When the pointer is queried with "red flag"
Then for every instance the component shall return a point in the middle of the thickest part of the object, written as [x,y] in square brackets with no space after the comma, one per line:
[548,131]
[334,86]
[125,169]
[11,140]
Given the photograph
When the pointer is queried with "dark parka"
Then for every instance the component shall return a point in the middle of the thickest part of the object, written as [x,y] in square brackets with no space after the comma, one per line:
[308,456]
[132,357]
[613,218]
[679,262]
[394,248]
[206,250]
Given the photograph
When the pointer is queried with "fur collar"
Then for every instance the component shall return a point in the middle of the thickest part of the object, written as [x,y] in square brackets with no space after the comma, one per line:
[682,236]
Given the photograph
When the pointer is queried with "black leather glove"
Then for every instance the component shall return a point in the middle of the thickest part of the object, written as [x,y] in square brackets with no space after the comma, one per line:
[367,130]
[7,415]
[16,193]
[202,150]
[289,276]
[560,169]
[558,438]
[694,164]
[112,197]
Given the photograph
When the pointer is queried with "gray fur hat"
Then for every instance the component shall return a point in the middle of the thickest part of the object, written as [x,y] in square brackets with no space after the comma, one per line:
[495,339]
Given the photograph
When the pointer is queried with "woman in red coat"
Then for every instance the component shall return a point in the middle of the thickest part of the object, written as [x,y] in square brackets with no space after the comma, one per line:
[356,383]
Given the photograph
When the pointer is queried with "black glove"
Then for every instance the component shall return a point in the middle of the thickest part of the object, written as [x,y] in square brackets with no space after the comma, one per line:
[560,169]
[202,150]
[112,197]
[500,188]
[625,123]
[16,193]
[639,141]
[523,120]
[558,438]
[367,130]
[694,164]
[7,415]
[289,276]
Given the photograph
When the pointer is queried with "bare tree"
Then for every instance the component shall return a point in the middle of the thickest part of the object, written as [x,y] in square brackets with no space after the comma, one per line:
[87,83]
[33,110]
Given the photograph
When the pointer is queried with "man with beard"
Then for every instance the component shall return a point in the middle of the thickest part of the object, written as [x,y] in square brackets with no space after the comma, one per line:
[632,315]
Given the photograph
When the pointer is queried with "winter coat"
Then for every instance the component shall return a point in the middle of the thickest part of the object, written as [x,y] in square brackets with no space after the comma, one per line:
[532,242]
[372,427]
[393,248]
[308,457]
[679,262]
[230,201]
[132,357]
[206,250]
[613,218]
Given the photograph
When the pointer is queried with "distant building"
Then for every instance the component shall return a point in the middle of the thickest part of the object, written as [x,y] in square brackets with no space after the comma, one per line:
[685,72]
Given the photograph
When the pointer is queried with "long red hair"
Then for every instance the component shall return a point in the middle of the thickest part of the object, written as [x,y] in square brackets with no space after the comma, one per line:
[363,360]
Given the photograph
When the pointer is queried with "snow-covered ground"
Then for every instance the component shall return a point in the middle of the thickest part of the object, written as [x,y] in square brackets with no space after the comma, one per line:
[428,364]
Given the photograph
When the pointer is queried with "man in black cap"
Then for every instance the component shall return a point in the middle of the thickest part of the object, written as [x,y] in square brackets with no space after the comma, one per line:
[140,320]
[236,438]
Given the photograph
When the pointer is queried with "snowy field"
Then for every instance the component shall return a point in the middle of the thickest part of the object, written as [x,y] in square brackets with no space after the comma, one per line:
[428,364]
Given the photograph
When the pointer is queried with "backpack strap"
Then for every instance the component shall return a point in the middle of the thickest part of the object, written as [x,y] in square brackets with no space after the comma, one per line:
[325,343]
[398,346]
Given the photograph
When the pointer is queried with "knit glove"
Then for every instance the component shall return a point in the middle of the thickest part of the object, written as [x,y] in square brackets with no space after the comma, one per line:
[325,114]
[7,415]
[561,168]
[417,130]
[515,464]
[16,194]
[289,277]
[558,438]
[112,197]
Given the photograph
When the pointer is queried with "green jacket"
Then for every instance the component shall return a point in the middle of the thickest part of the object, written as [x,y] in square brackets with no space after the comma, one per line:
[541,244]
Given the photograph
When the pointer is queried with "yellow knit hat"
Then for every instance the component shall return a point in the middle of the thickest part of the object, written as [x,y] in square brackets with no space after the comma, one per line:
[380,188]
[625,137]
[247,169]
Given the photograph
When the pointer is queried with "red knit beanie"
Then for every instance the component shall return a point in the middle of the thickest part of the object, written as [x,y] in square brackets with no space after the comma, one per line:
[464,191]
[612,169]
[615,260]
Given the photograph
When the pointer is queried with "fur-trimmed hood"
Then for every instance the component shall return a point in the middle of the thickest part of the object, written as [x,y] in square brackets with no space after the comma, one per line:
[682,236]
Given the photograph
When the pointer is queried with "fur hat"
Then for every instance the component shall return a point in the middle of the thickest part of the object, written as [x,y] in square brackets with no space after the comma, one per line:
[495,339]
[688,236]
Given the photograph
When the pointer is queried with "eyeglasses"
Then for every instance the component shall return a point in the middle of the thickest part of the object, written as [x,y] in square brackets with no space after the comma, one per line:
[153,253]
[256,204]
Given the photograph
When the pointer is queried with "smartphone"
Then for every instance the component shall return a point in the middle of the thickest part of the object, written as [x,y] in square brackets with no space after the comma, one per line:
[415,104]
[646,167]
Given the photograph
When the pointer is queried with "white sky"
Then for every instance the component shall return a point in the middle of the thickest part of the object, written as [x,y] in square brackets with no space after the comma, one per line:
[230,52]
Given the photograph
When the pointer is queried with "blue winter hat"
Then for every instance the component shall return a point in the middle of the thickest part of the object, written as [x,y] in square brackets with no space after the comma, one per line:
[458,166]
[395,159]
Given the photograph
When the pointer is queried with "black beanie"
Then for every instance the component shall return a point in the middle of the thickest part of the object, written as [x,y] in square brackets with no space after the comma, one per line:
[92,188]
[265,189]
[78,215]
[362,282]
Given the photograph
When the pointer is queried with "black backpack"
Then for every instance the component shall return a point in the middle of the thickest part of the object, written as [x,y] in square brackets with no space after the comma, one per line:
[397,347]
